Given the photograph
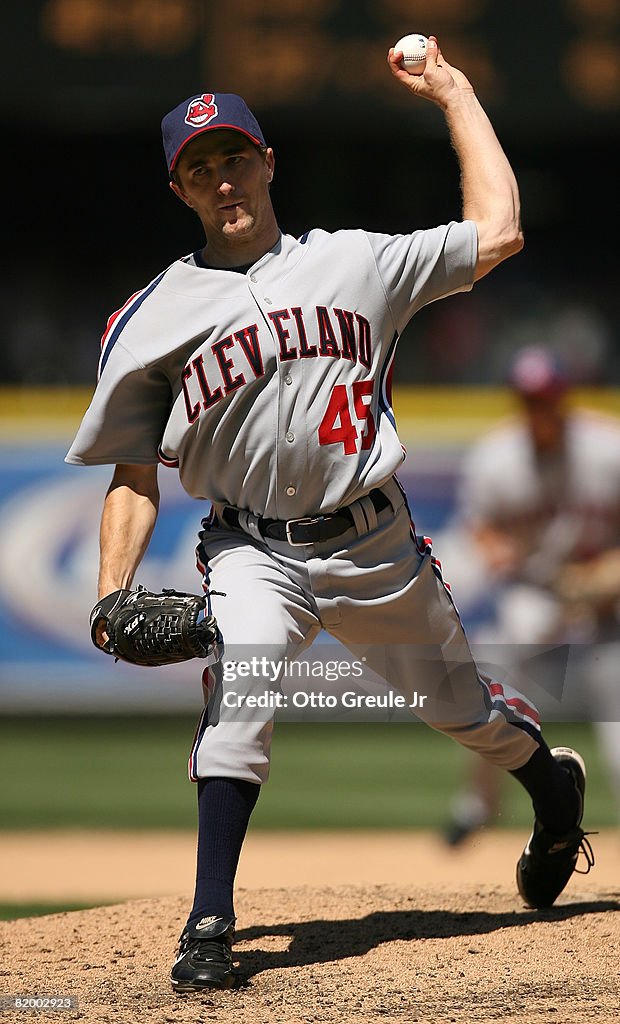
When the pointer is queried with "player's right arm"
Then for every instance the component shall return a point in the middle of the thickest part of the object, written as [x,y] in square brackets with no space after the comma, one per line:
[489,188]
[127,522]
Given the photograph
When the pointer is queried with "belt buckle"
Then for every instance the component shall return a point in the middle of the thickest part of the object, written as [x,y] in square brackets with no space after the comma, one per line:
[306,521]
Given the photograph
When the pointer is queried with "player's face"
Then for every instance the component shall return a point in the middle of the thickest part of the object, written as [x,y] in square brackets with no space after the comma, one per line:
[225,179]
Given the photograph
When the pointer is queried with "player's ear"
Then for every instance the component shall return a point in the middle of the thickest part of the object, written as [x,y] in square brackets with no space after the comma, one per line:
[270,164]
[178,191]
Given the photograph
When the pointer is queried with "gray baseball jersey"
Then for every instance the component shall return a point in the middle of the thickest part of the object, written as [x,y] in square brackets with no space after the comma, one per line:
[271,390]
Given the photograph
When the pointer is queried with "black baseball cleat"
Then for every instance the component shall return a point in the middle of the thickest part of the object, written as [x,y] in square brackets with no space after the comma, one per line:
[549,860]
[205,957]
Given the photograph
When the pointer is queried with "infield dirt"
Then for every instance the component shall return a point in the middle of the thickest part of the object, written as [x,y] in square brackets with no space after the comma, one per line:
[421,947]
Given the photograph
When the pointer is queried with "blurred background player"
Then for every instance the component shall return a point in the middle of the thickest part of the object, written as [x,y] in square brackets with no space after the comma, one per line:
[540,499]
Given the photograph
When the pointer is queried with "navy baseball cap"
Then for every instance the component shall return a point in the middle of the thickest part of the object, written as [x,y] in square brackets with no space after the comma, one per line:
[536,371]
[203,113]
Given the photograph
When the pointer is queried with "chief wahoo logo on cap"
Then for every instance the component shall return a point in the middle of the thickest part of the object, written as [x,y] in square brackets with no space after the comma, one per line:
[201,110]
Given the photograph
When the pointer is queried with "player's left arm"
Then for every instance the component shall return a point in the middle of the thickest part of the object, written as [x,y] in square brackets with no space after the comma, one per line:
[127,522]
[489,187]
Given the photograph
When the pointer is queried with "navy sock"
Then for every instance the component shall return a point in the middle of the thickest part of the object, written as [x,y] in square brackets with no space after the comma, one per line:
[224,809]
[556,802]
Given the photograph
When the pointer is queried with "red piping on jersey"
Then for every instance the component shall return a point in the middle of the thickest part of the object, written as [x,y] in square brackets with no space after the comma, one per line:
[388,384]
[122,318]
[385,384]
[166,460]
[497,690]
[114,316]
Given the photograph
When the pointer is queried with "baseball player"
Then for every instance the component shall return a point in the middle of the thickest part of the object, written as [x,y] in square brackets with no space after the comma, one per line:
[260,367]
[540,498]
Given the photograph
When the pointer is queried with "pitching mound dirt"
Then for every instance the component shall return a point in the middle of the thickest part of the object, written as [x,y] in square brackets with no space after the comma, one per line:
[349,953]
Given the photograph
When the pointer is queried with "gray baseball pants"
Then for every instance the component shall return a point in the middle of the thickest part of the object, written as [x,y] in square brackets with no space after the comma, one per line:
[378,590]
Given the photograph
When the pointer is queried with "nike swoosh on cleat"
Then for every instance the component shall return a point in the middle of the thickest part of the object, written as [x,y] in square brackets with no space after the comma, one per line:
[206,922]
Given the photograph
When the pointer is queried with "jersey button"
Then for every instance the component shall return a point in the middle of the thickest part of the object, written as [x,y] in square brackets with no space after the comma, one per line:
[290,491]
[290,437]
[288,379]
[268,301]
[253,278]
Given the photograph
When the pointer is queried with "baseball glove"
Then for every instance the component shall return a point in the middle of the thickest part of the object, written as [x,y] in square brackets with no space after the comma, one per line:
[150,629]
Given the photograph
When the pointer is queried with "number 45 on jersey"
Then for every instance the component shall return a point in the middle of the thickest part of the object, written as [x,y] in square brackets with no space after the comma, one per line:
[346,403]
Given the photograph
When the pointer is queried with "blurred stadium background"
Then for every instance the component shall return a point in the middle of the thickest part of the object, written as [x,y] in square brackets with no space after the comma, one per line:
[89,219]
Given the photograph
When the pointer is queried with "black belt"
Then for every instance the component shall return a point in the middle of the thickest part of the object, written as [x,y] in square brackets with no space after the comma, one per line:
[310,529]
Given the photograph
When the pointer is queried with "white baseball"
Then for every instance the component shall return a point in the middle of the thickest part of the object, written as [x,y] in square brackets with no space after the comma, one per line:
[414,52]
